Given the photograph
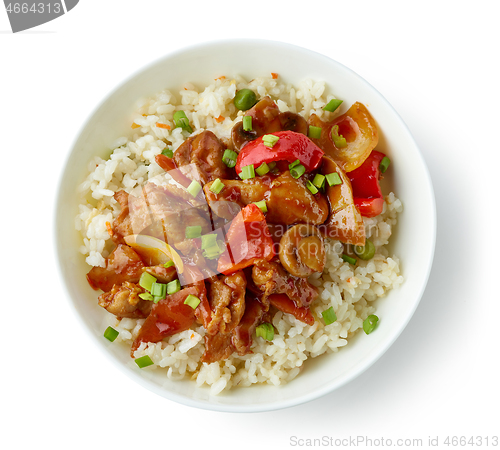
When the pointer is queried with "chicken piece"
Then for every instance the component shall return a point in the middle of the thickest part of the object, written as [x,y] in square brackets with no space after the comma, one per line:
[217,347]
[124,264]
[242,334]
[271,278]
[124,301]
[205,151]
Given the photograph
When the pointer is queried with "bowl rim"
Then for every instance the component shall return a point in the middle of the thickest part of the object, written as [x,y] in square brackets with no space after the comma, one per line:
[279,404]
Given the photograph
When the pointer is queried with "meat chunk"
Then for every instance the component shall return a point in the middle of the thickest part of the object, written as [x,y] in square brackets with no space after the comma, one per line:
[205,151]
[124,264]
[217,347]
[242,334]
[124,301]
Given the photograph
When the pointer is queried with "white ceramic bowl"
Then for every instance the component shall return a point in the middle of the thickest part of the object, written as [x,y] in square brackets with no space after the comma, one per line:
[413,240]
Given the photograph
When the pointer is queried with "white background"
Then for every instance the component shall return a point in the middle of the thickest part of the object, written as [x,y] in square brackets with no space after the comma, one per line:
[435,61]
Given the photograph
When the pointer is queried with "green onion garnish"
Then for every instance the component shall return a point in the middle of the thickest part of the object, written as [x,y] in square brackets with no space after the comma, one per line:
[262,205]
[212,252]
[181,121]
[294,164]
[168,152]
[314,132]
[247,123]
[329,316]
[272,165]
[247,172]
[159,290]
[339,141]
[297,171]
[349,259]
[384,164]
[144,361]
[146,281]
[208,240]
[370,323]
[193,232]
[333,179]
[332,105]
[192,301]
[111,334]
[146,296]
[313,189]
[319,180]
[266,331]
[168,264]
[269,140]
[194,188]
[262,169]
[217,186]
[173,287]
[229,158]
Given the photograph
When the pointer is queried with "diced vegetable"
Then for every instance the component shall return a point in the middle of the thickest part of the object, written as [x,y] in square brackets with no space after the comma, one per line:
[168,264]
[245,99]
[365,252]
[262,205]
[229,158]
[370,323]
[384,164]
[313,189]
[349,259]
[217,186]
[329,316]
[146,281]
[168,152]
[270,140]
[297,171]
[247,172]
[194,188]
[262,169]
[314,132]
[146,296]
[294,164]
[208,240]
[247,123]
[111,334]
[192,301]
[266,331]
[333,179]
[338,139]
[319,180]
[173,287]
[181,121]
[193,232]
[332,105]
[144,361]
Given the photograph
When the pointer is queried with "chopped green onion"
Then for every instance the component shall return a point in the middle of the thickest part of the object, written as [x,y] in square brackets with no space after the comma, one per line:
[262,169]
[313,189]
[229,158]
[217,186]
[194,188]
[262,205]
[269,140]
[146,281]
[266,331]
[314,132]
[146,296]
[193,232]
[365,252]
[332,105]
[333,179]
[212,252]
[370,323]
[111,334]
[208,240]
[349,259]
[294,164]
[272,165]
[339,141]
[144,361]
[192,301]
[384,164]
[329,315]
[168,264]
[319,180]
[181,121]
[247,172]
[168,152]
[159,290]
[173,287]
[297,171]
[247,123]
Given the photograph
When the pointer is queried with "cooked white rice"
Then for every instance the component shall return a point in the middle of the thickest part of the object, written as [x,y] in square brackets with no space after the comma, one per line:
[349,289]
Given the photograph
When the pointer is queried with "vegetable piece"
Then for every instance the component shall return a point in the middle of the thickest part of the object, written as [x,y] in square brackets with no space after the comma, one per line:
[329,316]
[349,259]
[217,186]
[168,152]
[290,147]
[181,121]
[319,180]
[168,264]
[192,301]
[144,361]
[194,188]
[313,189]
[333,179]
[159,290]
[248,239]
[146,281]
[262,169]
[165,126]
[247,172]
[173,287]
[262,205]
[294,164]
[270,140]
[365,252]
[165,162]
[146,296]
[332,105]
[229,158]
[314,132]
[365,185]
[287,305]
[338,140]
[193,232]
[208,240]
[266,331]
[244,99]
[297,171]
[111,334]
[370,323]
[384,164]
[247,123]
[359,130]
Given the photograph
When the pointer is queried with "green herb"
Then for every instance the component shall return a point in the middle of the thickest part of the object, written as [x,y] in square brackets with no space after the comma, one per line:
[294,164]
[370,323]
[332,105]
[262,169]
[384,164]
[266,331]
[146,296]
[192,301]
[194,188]
[111,334]
[168,152]
[181,121]
[314,132]
[146,281]
[193,232]
[313,189]
[217,186]
[349,259]
[168,264]
[229,158]
[337,139]
[144,361]
[208,240]
[329,316]
[297,171]
[247,172]
[270,140]
[333,179]
[262,205]
[272,165]
[319,180]
[247,123]
[173,287]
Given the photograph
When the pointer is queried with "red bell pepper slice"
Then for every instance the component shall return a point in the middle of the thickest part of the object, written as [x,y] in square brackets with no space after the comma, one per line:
[365,186]
[248,239]
[290,147]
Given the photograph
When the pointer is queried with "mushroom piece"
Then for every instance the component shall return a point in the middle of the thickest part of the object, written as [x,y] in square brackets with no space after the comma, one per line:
[302,250]
[293,122]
